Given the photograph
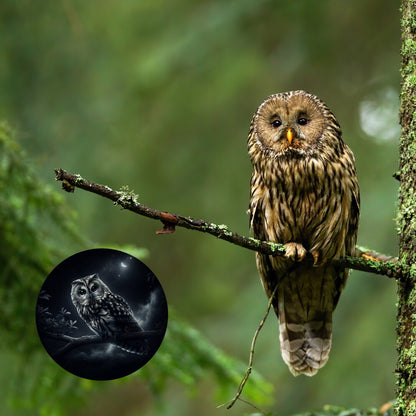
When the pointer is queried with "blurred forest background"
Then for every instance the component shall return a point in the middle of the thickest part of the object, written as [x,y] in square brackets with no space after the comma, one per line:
[159,95]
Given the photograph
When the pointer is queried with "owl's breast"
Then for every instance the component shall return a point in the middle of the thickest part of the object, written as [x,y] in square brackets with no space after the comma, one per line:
[289,200]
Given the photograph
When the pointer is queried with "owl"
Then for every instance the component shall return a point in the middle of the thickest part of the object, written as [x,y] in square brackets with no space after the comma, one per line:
[105,313]
[304,194]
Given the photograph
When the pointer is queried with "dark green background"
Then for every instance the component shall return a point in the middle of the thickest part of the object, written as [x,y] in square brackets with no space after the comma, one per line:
[158,95]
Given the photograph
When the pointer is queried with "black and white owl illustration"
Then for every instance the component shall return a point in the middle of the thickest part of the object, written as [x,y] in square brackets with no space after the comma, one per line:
[106,313]
[304,194]
[101,314]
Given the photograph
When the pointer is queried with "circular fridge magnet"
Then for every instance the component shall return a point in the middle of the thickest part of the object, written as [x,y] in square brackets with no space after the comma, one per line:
[101,314]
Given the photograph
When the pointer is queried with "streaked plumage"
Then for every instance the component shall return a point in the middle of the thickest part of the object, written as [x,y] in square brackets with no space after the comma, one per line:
[304,194]
[106,313]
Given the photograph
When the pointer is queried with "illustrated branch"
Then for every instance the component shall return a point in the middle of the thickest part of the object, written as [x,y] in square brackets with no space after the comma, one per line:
[364,260]
[74,342]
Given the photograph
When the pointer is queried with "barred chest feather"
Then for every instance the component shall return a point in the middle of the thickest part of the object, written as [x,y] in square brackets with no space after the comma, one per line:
[303,200]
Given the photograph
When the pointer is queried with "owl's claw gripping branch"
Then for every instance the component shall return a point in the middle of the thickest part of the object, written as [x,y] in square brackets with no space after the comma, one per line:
[363,260]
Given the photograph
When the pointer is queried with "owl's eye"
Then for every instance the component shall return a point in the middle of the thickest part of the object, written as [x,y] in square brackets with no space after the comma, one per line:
[94,287]
[302,121]
[82,292]
[276,123]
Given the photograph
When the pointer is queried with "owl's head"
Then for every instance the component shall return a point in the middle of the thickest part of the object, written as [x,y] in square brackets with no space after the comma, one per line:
[292,123]
[86,289]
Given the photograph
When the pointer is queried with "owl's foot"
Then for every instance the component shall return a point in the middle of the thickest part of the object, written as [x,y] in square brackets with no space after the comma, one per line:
[295,251]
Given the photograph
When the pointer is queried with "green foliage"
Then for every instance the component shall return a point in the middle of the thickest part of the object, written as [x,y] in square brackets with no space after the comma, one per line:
[338,411]
[188,357]
[328,410]
[158,95]
[28,249]
[37,231]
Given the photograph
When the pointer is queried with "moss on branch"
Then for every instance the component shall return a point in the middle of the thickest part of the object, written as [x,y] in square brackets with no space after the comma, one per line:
[364,260]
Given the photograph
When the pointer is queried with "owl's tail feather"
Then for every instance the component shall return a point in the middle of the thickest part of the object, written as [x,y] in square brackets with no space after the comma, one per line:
[303,348]
[305,316]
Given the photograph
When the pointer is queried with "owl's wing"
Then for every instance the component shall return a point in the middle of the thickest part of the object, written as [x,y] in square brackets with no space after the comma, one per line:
[123,317]
[267,271]
[351,235]
[256,223]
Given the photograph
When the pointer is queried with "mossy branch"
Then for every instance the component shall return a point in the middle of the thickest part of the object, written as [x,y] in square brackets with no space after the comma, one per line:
[364,260]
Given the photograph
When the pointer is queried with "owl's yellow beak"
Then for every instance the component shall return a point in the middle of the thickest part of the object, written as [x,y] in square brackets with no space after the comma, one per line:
[289,135]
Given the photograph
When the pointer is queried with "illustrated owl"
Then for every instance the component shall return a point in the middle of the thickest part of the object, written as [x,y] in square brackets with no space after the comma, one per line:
[304,194]
[105,312]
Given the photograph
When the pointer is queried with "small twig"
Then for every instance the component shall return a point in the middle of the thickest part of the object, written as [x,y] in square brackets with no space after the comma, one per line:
[367,261]
[251,357]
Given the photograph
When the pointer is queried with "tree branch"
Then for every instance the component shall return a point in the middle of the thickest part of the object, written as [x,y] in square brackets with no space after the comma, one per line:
[73,342]
[364,260]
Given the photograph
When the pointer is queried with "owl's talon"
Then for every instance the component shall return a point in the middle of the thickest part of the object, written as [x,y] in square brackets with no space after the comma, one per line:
[295,251]
[317,259]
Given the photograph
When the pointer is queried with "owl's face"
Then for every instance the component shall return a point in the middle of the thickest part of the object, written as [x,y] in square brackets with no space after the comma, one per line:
[290,123]
[87,289]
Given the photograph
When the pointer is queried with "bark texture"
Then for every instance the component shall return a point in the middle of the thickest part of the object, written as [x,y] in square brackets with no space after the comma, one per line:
[406,222]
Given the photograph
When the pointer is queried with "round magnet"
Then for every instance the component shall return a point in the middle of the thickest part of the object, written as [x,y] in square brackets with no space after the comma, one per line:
[101,314]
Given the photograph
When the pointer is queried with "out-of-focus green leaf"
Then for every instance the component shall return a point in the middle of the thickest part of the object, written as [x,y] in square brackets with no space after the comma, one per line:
[37,231]
[340,411]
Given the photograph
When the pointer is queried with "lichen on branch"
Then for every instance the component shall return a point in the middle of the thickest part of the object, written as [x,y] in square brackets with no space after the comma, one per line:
[364,260]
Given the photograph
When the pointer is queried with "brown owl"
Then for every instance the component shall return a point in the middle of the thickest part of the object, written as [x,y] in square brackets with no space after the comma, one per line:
[304,194]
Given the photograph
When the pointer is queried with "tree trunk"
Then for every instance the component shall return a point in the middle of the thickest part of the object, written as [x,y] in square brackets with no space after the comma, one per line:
[406,222]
